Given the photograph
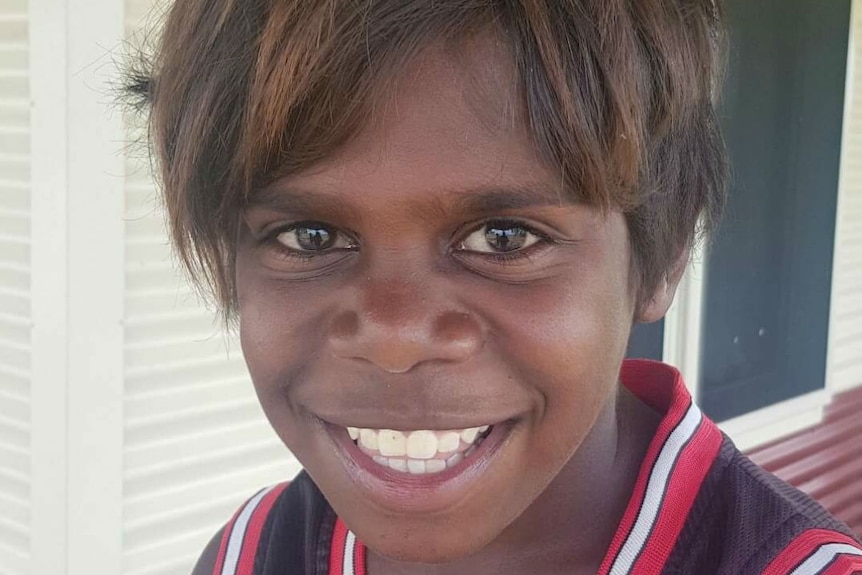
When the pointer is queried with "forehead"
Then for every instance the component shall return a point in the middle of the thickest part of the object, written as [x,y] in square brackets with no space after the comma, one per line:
[451,120]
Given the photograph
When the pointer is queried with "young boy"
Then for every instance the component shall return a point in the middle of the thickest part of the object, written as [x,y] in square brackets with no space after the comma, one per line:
[436,222]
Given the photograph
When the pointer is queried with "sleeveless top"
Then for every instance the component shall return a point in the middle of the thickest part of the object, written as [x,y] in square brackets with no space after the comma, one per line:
[699,507]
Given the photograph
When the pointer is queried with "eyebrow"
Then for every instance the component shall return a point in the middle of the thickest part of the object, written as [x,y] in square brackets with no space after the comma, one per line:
[476,201]
[292,201]
[495,199]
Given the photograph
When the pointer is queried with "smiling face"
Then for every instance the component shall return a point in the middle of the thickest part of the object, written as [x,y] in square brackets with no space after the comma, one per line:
[430,277]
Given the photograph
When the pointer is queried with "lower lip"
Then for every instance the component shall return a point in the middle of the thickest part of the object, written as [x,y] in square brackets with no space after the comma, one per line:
[418,493]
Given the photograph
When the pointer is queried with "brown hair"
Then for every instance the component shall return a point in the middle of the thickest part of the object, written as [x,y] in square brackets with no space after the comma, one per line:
[619,95]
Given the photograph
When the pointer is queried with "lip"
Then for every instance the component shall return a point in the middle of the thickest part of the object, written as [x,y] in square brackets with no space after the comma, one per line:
[403,492]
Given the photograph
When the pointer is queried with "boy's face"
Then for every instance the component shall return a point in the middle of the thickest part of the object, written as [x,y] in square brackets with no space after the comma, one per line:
[432,276]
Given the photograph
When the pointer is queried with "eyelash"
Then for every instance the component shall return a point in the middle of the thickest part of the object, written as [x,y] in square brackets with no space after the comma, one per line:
[503,258]
[512,257]
[270,238]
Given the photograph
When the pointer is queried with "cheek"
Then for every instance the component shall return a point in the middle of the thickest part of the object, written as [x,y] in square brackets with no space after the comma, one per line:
[578,320]
[278,358]
[265,342]
[279,320]
[567,340]
[279,334]
[585,310]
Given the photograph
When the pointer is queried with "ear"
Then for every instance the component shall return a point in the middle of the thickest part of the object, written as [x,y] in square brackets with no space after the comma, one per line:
[656,306]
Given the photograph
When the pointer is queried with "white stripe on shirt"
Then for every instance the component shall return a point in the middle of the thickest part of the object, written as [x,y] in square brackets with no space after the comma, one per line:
[657,484]
[237,533]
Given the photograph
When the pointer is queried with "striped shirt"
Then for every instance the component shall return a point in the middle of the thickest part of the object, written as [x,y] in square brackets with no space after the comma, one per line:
[699,507]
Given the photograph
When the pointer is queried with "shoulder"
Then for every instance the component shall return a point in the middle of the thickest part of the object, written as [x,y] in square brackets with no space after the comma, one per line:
[286,528]
[818,551]
[772,528]
[207,561]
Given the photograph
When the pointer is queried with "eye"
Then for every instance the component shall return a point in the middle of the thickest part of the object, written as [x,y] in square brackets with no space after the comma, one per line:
[314,237]
[499,236]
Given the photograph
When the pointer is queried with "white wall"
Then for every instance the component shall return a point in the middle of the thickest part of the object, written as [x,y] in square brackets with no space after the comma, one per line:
[129,431]
[15,344]
[845,333]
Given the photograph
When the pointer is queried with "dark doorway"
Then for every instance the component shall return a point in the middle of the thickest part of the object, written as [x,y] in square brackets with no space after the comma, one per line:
[647,341]
[769,270]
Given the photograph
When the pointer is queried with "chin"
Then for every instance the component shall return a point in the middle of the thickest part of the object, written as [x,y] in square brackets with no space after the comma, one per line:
[429,550]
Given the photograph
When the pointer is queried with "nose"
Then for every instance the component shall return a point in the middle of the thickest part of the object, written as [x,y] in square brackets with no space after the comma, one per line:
[398,325]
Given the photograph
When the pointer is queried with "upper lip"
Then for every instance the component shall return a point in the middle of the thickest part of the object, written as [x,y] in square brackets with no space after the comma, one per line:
[445,402]
[433,415]
[412,424]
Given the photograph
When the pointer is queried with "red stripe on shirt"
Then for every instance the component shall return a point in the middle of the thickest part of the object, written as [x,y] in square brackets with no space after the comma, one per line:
[359,558]
[245,565]
[336,552]
[803,546]
[649,388]
[682,488]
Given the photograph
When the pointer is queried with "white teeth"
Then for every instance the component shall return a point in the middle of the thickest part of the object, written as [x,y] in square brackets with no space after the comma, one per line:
[421,444]
[368,438]
[420,451]
[391,443]
[469,435]
[448,442]
[417,466]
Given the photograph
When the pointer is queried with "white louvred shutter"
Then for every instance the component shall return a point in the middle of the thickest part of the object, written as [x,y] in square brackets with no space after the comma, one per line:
[15,396]
[196,443]
[845,335]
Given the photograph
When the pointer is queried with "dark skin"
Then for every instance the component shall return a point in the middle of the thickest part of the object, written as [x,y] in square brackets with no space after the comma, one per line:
[372,293]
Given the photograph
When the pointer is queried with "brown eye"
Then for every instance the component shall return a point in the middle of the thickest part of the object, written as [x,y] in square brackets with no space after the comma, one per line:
[499,237]
[313,237]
